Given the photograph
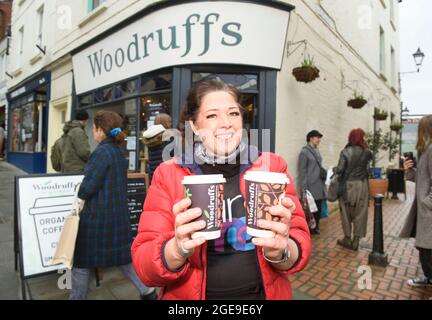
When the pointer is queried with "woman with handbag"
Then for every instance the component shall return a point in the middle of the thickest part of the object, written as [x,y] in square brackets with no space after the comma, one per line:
[104,234]
[352,170]
[312,175]
[419,220]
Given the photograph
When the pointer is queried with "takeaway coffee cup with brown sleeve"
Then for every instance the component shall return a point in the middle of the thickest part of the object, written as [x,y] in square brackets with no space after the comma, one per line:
[263,190]
[206,192]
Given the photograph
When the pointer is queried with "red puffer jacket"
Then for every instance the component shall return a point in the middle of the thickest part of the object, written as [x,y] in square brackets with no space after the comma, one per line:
[156,227]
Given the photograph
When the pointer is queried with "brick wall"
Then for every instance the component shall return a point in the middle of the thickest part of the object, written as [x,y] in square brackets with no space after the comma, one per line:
[5,17]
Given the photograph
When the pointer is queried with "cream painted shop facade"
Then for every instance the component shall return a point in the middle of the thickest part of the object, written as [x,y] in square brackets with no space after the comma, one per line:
[140,58]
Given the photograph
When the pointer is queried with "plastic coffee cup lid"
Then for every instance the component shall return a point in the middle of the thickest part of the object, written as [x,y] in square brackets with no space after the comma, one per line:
[204,179]
[267,177]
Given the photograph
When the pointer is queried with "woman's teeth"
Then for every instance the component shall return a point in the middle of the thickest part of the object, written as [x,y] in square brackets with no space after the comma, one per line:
[224,136]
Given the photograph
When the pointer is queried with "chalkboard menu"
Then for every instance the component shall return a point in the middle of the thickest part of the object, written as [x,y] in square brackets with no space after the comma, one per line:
[137,187]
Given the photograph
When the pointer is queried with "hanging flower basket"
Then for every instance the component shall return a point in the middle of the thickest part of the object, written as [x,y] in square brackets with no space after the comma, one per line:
[306,74]
[396,127]
[357,103]
[380,115]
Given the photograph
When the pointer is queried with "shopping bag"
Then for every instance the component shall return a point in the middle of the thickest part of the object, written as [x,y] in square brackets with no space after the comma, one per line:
[335,189]
[311,202]
[66,245]
[308,214]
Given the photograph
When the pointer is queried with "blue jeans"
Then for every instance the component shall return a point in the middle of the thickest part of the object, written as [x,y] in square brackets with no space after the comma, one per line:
[81,277]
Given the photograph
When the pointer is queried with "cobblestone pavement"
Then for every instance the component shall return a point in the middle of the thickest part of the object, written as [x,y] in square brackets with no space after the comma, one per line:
[333,272]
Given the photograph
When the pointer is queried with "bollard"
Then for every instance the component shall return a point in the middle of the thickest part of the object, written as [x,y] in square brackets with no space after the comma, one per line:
[378,257]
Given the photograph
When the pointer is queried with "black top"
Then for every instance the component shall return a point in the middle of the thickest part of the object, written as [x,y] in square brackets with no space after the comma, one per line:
[233,271]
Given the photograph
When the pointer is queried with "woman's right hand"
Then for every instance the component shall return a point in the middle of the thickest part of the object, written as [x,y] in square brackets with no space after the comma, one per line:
[185,226]
[408,164]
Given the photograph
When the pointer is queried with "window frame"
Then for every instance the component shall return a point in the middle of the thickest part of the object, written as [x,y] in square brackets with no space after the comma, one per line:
[39,31]
[91,4]
[382,51]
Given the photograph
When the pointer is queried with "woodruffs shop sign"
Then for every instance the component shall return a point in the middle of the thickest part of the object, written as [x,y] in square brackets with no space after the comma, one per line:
[201,32]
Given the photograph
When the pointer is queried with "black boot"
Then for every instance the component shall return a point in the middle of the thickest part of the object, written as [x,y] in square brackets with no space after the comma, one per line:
[345,242]
[355,243]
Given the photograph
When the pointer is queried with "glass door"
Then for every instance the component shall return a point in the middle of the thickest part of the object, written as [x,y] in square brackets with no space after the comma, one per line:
[151,106]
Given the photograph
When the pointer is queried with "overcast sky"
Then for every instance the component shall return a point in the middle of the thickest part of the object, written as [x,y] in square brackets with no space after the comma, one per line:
[416,31]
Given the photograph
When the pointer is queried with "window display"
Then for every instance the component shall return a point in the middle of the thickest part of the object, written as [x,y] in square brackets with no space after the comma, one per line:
[27,124]
[127,110]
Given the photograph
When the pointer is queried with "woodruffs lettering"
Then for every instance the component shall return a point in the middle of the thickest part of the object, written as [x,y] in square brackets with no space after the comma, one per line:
[142,46]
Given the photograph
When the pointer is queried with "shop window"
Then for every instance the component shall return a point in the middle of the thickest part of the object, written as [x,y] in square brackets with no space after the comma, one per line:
[26,126]
[127,110]
[15,130]
[247,84]
[125,89]
[153,105]
[156,82]
[86,100]
[242,82]
[103,95]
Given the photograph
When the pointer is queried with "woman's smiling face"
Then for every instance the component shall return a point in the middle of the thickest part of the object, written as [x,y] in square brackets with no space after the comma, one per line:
[219,123]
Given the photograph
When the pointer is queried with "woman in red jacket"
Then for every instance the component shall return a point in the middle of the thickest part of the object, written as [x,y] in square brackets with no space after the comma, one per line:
[235,266]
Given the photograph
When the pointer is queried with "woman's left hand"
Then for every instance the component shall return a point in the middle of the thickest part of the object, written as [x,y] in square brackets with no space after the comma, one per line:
[274,247]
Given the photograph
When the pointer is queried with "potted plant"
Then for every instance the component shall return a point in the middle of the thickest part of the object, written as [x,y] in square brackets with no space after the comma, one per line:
[391,144]
[308,72]
[357,102]
[380,115]
[377,141]
[396,127]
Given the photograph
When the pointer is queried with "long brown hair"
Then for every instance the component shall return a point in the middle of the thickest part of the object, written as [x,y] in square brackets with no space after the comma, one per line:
[198,91]
[424,134]
[108,120]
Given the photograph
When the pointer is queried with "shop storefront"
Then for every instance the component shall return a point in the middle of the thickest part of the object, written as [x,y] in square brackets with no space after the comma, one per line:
[28,124]
[147,65]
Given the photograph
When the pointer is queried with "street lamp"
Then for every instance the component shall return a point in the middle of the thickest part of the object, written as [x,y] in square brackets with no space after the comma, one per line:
[418,58]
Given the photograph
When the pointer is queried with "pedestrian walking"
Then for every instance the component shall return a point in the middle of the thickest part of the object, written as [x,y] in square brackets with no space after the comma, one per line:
[71,152]
[419,221]
[312,175]
[352,169]
[104,234]
[233,266]
[153,139]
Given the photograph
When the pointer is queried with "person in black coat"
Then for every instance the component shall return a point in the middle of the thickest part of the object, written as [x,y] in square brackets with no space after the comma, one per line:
[104,234]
